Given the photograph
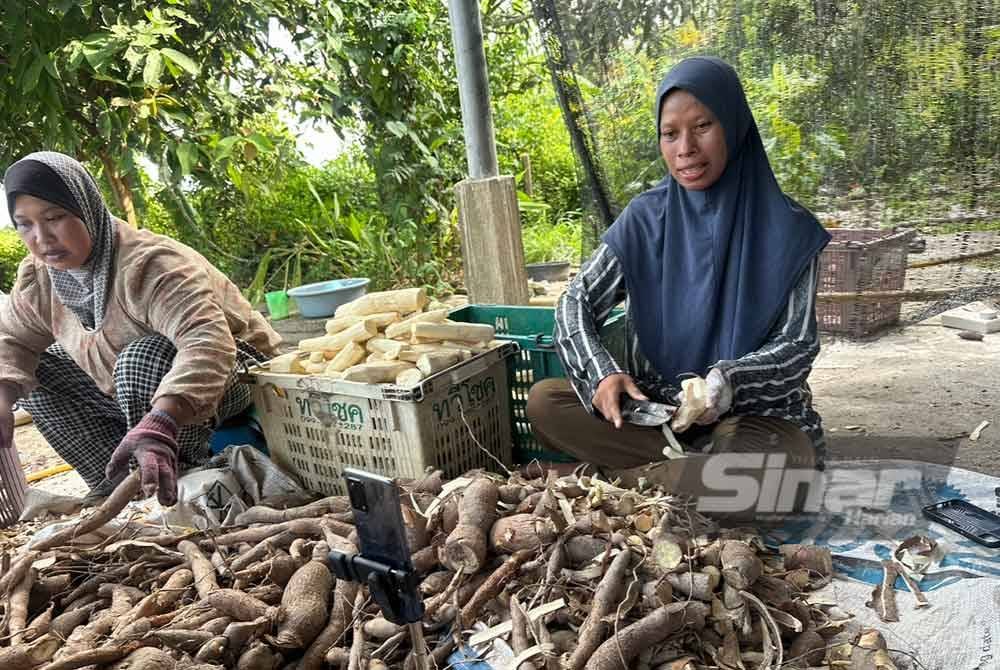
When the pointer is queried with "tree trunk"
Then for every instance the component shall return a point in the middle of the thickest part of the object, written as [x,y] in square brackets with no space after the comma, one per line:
[572,106]
[122,188]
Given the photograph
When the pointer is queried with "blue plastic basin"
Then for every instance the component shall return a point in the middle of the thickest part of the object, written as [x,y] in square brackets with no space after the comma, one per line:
[323,298]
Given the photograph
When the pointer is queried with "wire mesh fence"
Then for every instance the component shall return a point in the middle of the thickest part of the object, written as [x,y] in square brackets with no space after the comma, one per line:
[877,116]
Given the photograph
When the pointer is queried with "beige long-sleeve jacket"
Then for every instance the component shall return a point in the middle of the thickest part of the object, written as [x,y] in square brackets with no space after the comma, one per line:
[160,286]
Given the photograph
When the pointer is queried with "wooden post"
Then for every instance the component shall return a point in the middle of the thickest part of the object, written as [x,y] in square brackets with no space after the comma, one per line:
[527,179]
[492,252]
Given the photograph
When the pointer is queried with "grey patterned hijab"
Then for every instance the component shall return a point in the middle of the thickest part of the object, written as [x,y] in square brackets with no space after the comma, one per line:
[62,180]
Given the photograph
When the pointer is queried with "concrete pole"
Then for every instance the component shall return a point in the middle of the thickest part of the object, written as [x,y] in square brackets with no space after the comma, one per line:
[473,88]
[492,251]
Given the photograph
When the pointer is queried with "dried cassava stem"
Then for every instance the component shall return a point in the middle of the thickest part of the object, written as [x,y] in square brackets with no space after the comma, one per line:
[606,599]
[651,630]
[465,547]
[109,509]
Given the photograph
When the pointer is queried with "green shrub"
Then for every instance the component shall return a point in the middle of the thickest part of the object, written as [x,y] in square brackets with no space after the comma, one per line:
[559,241]
[12,252]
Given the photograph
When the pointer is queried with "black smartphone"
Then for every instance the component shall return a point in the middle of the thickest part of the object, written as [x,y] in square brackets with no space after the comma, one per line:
[378,519]
[979,525]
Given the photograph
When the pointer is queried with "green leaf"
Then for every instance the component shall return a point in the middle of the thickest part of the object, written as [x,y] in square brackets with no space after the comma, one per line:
[182,61]
[187,156]
[235,176]
[153,69]
[261,142]
[30,80]
[50,66]
[224,148]
[397,128]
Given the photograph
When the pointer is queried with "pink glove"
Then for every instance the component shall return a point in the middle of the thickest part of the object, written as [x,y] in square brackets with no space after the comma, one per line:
[153,442]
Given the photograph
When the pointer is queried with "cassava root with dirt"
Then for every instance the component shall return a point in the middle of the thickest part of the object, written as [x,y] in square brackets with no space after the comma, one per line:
[574,572]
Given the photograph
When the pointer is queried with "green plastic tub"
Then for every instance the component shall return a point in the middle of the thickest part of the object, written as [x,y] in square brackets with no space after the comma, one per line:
[531,328]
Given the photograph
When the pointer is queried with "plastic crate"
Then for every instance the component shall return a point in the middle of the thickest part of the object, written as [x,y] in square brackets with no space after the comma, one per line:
[859,260]
[531,328]
[317,426]
[12,487]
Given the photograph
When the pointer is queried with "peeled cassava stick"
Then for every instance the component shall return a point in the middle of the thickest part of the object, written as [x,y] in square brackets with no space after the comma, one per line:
[350,355]
[303,612]
[384,372]
[202,569]
[109,509]
[606,598]
[695,392]
[359,332]
[465,548]
[647,632]
[341,323]
[290,363]
[389,348]
[429,364]
[402,328]
[403,301]
[408,378]
[465,332]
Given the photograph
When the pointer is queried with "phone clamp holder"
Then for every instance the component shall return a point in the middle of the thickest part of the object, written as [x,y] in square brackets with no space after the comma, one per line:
[396,591]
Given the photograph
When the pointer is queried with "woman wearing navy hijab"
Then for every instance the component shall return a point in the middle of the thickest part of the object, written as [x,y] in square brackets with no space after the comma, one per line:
[719,268]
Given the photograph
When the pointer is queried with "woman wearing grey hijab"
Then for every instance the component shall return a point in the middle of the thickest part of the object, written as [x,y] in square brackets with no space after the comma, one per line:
[122,344]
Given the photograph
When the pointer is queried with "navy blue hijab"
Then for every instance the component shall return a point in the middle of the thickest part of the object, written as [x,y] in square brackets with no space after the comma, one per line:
[709,272]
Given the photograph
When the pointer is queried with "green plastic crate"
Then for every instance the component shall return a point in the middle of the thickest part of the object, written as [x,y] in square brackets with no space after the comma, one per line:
[531,328]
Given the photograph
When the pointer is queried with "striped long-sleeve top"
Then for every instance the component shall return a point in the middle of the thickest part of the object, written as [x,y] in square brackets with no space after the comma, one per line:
[770,381]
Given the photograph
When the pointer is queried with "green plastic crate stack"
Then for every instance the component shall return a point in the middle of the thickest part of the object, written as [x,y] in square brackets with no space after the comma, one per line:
[531,328]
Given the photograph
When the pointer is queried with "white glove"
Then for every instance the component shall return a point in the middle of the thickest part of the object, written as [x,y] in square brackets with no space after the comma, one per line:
[719,400]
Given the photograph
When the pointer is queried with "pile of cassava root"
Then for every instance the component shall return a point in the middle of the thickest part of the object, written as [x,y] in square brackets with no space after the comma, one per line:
[574,572]
[390,337]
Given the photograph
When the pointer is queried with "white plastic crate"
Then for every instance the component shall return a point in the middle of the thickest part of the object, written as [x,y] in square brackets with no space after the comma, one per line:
[317,426]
